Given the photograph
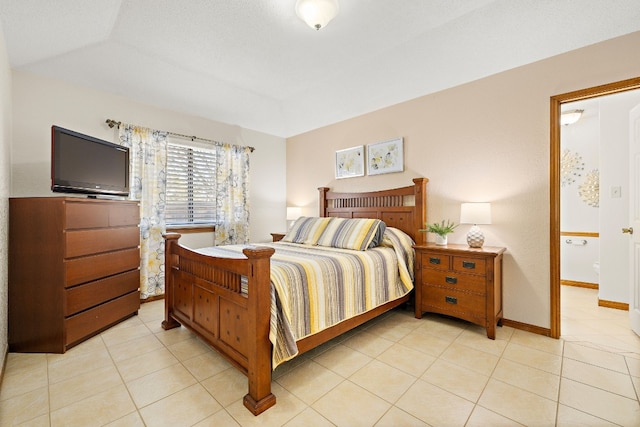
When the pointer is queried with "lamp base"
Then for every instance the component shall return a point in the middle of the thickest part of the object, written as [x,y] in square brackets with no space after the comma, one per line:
[475,238]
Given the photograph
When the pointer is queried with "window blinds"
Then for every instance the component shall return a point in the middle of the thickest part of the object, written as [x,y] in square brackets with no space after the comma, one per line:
[190,191]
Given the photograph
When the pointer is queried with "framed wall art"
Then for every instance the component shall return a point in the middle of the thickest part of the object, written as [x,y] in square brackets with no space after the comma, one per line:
[385,157]
[350,162]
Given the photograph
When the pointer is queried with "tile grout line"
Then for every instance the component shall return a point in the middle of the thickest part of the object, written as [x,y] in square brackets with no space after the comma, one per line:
[560,380]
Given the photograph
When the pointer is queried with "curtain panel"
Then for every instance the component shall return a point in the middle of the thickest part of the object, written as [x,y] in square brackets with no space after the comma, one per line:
[147,177]
[232,194]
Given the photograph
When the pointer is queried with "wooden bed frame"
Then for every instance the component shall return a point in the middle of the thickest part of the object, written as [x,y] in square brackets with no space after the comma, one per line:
[203,293]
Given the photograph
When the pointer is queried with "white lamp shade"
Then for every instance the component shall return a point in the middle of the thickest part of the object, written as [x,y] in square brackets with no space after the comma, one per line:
[317,13]
[293,213]
[475,213]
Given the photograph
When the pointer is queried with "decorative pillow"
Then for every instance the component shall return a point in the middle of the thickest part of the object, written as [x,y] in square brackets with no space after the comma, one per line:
[350,233]
[306,230]
[395,237]
[378,236]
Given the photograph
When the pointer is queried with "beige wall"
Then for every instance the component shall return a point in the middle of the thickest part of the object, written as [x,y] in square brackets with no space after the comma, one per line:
[483,141]
[5,180]
[29,105]
[39,103]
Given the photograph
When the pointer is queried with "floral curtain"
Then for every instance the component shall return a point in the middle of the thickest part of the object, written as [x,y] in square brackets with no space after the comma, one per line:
[147,177]
[232,194]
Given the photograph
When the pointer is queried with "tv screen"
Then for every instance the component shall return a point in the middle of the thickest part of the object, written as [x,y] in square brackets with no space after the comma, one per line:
[87,165]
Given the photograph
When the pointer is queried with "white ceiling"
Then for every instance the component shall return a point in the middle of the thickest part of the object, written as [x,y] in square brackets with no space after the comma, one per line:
[254,64]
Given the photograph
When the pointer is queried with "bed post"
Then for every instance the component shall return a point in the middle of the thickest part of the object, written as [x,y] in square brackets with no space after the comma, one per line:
[420,193]
[323,200]
[170,240]
[259,398]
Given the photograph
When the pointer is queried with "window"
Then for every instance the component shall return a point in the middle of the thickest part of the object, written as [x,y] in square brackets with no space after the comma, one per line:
[190,188]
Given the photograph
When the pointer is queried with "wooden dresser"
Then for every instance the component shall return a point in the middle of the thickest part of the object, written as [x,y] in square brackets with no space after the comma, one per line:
[461,282]
[74,269]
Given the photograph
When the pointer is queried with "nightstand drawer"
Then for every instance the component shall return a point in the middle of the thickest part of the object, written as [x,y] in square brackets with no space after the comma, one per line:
[470,265]
[436,261]
[451,279]
[459,304]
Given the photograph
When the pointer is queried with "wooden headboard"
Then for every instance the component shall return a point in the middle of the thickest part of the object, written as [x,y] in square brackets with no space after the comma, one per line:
[404,208]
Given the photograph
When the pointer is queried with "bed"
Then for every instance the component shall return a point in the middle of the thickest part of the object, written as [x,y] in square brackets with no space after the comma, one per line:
[230,296]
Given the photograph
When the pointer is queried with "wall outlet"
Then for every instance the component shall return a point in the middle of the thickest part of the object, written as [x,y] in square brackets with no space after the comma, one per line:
[616,192]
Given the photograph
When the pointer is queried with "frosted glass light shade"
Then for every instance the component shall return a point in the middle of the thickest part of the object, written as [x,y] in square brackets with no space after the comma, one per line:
[475,213]
[317,13]
[570,117]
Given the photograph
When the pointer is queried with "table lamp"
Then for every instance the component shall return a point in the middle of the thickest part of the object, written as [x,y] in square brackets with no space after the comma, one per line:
[475,213]
[293,213]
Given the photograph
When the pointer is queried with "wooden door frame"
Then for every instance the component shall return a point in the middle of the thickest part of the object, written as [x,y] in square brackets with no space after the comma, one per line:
[554,182]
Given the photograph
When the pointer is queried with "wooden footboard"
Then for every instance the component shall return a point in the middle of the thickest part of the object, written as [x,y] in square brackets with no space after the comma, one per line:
[204,294]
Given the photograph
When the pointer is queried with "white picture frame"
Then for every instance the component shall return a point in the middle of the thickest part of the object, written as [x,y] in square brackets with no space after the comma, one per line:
[350,162]
[385,157]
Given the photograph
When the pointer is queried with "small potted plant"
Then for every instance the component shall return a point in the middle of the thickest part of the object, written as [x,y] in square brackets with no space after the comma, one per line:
[441,230]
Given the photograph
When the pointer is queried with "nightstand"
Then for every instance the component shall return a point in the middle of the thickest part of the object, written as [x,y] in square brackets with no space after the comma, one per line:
[460,281]
[277,236]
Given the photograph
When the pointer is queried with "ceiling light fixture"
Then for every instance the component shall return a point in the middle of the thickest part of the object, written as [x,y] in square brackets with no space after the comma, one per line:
[570,117]
[317,13]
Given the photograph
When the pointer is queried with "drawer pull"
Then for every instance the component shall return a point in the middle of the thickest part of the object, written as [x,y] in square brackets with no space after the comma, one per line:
[451,280]
[468,264]
[433,260]
[451,300]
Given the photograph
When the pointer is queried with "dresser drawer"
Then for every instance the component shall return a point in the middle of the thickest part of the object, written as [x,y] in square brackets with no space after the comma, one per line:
[88,242]
[435,261]
[124,214]
[451,279]
[94,293]
[91,321]
[86,215]
[454,302]
[100,215]
[86,269]
[470,265]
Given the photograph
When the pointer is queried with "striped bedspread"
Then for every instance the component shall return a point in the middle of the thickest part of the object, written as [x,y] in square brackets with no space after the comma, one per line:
[315,287]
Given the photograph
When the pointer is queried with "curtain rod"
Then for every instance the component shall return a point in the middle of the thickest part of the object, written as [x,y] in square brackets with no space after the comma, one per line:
[112,123]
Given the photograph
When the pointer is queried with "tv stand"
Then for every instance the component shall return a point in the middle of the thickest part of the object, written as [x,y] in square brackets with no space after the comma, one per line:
[74,269]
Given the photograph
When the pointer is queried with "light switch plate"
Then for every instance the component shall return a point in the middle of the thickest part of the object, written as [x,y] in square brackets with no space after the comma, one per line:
[616,192]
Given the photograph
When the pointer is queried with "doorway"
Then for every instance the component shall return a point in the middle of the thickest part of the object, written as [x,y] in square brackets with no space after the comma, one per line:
[555,178]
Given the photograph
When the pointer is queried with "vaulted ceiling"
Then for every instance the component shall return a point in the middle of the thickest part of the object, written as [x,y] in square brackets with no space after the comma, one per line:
[254,64]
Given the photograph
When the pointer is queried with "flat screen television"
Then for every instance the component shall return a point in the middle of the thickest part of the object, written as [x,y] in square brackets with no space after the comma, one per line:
[87,165]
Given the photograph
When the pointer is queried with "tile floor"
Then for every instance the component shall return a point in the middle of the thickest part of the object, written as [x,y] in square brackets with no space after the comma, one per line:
[394,371]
